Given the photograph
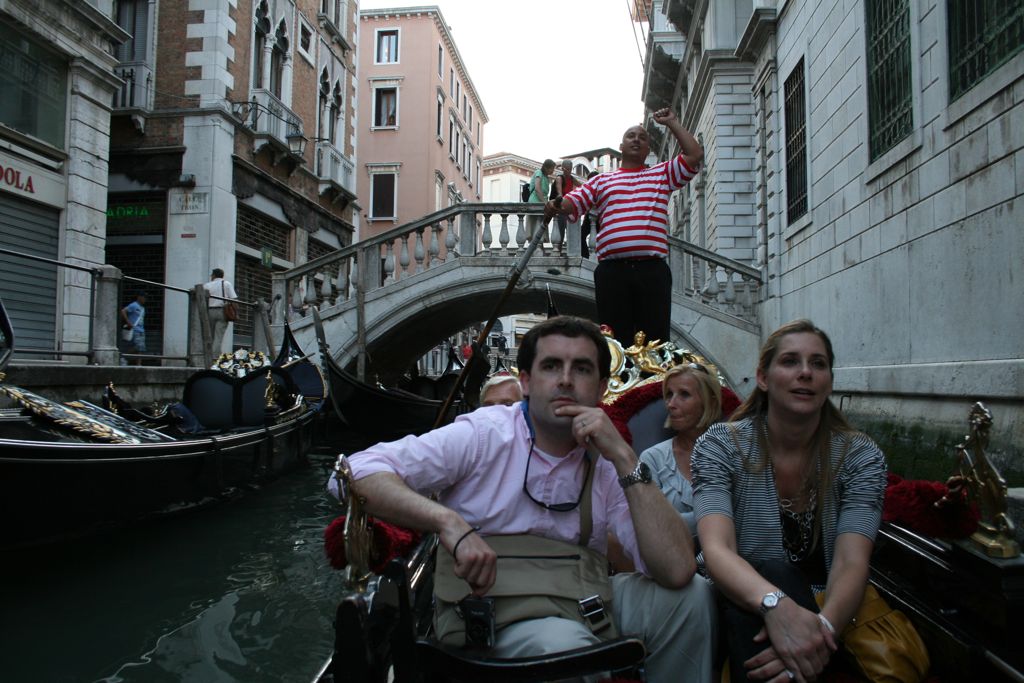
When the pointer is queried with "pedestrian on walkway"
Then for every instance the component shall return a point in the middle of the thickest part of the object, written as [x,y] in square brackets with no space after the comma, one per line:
[133,318]
[632,281]
[220,289]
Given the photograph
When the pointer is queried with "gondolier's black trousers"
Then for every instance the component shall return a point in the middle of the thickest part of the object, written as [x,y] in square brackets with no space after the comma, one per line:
[634,295]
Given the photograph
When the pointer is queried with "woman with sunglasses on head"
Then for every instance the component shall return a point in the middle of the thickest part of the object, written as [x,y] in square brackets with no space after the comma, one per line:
[788,499]
[693,399]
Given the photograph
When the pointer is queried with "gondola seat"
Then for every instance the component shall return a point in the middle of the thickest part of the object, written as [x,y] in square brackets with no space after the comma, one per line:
[222,402]
[441,662]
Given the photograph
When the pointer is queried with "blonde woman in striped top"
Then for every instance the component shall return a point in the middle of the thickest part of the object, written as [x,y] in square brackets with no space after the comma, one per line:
[788,499]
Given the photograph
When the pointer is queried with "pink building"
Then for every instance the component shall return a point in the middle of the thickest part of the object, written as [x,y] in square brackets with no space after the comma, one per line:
[420,125]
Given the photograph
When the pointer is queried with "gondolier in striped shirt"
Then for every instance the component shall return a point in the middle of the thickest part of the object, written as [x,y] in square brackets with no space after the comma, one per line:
[632,282]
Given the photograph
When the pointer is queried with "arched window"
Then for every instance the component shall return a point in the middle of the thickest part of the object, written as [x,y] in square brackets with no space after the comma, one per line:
[278,56]
[335,134]
[259,43]
[325,94]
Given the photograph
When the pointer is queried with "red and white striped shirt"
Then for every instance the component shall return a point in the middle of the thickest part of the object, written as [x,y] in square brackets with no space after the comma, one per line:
[633,208]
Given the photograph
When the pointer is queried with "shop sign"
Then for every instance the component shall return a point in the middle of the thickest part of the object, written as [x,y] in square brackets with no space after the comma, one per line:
[267,257]
[190,202]
[121,211]
[32,182]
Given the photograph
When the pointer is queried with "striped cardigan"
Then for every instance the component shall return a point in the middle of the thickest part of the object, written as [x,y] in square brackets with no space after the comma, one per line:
[728,483]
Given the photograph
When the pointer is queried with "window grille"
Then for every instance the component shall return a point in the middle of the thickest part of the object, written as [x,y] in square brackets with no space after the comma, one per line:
[796,145]
[983,34]
[890,100]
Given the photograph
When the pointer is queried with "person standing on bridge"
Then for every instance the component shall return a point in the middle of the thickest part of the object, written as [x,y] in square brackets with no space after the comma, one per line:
[632,281]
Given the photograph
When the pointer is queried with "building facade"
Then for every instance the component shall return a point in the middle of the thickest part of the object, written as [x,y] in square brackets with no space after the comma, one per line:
[421,121]
[868,157]
[57,81]
[232,146]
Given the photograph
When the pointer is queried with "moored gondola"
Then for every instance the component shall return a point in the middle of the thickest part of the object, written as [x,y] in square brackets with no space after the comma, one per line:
[384,413]
[69,469]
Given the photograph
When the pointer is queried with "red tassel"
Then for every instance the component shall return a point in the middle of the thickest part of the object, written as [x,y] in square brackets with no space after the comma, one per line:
[913,503]
[389,542]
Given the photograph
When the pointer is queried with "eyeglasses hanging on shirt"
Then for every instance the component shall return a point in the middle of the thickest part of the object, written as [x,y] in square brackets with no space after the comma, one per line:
[556,507]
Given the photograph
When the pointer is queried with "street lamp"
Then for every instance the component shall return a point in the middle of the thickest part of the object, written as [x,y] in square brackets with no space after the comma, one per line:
[296,143]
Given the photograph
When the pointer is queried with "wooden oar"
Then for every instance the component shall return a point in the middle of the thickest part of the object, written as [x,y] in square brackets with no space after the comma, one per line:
[517,271]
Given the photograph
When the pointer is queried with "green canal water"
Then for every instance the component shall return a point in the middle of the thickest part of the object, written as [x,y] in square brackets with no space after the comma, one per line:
[240,591]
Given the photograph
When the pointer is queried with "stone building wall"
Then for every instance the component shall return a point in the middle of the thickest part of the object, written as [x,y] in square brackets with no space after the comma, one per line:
[909,259]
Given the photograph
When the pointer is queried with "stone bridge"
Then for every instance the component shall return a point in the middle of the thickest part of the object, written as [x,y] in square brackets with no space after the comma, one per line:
[395,296]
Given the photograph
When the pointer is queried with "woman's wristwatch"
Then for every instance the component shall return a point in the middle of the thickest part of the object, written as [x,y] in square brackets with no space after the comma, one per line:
[770,601]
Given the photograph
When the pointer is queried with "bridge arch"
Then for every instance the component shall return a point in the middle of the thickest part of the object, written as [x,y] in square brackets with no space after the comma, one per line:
[406,319]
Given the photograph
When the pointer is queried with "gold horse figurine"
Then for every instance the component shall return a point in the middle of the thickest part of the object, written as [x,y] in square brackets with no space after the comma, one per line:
[986,484]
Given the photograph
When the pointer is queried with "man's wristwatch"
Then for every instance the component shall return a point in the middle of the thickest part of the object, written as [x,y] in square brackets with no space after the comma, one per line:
[640,473]
[770,601]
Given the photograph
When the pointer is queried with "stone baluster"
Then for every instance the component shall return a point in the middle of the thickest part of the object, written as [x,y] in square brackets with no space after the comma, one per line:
[296,303]
[435,245]
[503,235]
[450,240]
[343,279]
[389,263]
[521,233]
[353,277]
[403,257]
[487,236]
[326,288]
[419,253]
[310,298]
[592,244]
[710,290]
[747,299]
[556,235]
[729,296]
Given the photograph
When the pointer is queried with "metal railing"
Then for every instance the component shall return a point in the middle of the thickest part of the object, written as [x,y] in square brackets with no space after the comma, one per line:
[102,342]
[57,351]
[137,91]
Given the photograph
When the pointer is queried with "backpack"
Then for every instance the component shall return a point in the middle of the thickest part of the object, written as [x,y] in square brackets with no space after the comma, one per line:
[525,191]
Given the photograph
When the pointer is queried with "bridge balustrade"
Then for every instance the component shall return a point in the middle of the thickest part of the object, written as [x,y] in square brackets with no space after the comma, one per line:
[497,230]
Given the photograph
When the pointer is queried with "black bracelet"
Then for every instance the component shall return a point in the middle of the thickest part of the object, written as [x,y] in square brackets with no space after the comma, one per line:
[461,539]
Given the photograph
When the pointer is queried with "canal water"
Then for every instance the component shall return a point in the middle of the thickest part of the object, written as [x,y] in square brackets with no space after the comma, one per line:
[240,591]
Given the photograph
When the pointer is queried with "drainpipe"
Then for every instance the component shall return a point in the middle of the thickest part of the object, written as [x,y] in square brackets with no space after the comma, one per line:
[361,314]
[702,232]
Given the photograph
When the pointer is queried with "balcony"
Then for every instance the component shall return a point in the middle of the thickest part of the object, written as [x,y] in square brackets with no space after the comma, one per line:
[137,91]
[335,171]
[661,70]
[272,123]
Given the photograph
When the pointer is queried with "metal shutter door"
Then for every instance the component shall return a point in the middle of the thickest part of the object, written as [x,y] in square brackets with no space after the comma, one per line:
[29,288]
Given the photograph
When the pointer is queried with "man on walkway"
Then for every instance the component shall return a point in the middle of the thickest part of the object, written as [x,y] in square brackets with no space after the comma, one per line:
[559,445]
[133,316]
[220,289]
[632,281]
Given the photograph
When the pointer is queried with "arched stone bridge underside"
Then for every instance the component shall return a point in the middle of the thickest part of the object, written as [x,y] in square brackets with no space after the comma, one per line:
[405,319]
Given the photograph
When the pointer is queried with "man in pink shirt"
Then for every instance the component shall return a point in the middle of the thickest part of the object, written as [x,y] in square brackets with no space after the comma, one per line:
[522,469]
[632,281]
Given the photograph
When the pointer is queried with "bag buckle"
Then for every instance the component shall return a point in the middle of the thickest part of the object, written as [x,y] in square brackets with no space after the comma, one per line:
[592,610]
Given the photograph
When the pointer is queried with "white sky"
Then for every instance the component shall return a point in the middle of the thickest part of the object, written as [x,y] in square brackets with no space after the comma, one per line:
[583,89]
